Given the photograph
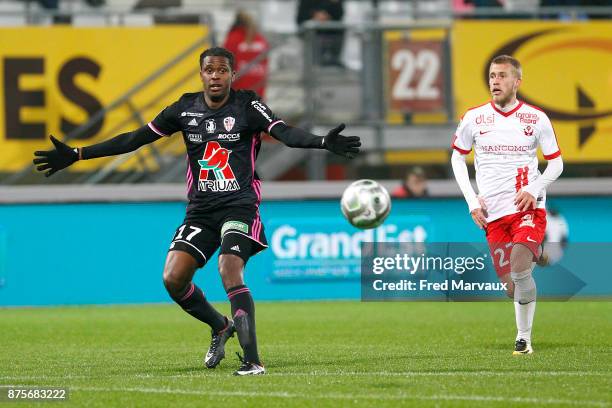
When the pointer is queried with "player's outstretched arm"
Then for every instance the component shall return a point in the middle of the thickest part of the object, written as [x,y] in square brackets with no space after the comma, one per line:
[347,146]
[52,161]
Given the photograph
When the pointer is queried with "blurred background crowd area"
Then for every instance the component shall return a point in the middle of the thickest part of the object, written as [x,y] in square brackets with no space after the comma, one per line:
[398,73]
[286,15]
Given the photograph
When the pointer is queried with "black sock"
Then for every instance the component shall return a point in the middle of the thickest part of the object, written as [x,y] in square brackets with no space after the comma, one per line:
[242,303]
[193,302]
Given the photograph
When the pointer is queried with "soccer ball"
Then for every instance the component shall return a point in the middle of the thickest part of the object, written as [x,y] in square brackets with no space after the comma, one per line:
[365,204]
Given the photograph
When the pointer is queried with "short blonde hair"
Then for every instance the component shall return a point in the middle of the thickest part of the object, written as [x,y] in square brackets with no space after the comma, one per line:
[507,59]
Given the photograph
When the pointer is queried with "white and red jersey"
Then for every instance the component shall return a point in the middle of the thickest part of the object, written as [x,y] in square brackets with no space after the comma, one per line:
[505,152]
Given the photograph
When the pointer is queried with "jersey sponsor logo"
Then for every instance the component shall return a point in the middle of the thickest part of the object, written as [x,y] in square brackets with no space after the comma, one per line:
[528,130]
[262,109]
[485,120]
[193,122]
[234,225]
[485,132]
[229,137]
[528,118]
[194,137]
[505,148]
[228,123]
[196,114]
[211,126]
[216,160]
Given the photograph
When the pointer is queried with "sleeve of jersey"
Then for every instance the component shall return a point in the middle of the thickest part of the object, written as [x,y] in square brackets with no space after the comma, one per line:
[548,140]
[123,143]
[463,139]
[296,137]
[462,176]
[166,122]
[261,117]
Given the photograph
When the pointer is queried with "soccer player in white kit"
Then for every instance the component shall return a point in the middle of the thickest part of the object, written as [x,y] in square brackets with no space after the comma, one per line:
[510,204]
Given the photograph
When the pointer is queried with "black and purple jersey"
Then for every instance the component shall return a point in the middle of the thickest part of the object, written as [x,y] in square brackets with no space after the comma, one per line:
[222,146]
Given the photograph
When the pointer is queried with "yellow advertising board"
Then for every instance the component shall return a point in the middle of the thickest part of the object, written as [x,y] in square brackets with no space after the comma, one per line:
[567,72]
[55,78]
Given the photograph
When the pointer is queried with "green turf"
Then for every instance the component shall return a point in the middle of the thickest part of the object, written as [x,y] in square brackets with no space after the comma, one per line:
[316,354]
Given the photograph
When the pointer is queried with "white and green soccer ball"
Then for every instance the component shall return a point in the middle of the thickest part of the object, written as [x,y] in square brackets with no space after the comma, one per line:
[365,204]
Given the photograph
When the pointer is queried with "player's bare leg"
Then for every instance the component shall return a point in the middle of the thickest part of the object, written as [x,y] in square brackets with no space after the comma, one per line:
[231,268]
[178,274]
[521,264]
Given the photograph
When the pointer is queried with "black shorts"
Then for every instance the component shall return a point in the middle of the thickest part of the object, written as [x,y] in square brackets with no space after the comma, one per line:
[237,230]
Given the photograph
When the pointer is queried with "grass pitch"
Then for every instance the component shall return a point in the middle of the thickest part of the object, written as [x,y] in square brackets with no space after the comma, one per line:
[316,354]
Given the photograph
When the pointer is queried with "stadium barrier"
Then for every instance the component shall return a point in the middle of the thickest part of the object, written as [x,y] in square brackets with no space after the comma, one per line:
[100,252]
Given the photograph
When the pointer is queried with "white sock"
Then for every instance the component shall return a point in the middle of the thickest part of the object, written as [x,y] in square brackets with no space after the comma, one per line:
[524,320]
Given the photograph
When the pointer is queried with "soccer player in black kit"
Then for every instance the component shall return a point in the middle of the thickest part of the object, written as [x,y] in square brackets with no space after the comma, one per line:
[221,130]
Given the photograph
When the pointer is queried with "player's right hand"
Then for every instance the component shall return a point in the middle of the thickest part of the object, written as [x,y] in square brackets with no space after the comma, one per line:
[479,215]
[479,218]
[51,161]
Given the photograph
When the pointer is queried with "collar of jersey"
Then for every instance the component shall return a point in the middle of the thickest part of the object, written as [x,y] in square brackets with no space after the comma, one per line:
[229,100]
[506,114]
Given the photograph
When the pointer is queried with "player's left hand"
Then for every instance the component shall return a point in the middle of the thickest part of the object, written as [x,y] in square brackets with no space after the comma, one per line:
[347,146]
[524,201]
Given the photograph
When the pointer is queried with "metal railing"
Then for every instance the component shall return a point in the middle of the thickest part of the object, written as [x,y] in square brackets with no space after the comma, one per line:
[135,116]
[366,79]
[358,94]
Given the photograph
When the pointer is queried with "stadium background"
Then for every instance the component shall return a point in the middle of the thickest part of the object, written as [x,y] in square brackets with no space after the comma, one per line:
[88,70]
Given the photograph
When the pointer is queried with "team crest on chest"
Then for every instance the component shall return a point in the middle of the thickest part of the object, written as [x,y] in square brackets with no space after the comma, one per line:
[528,130]
[228,123]
[211,126]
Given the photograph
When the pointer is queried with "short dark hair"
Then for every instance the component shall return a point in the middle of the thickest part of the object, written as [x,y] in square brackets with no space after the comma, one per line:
[507,59]
[218,52]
